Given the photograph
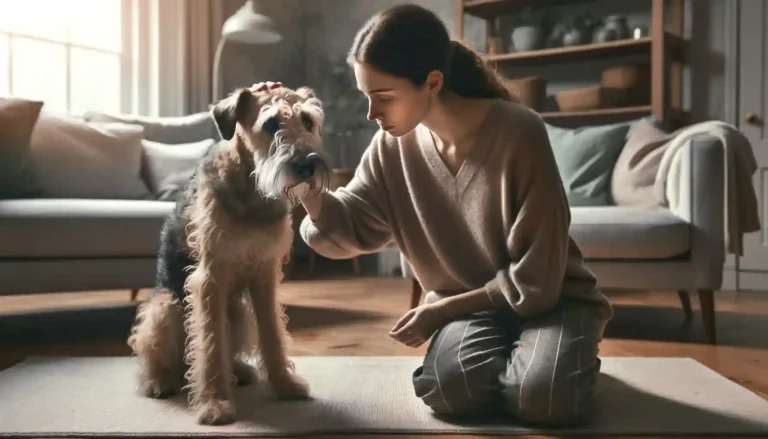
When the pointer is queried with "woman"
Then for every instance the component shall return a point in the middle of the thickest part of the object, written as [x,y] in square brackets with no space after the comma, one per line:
[464,180]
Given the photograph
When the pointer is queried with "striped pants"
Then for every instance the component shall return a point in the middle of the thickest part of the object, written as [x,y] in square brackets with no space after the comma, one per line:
[541,370]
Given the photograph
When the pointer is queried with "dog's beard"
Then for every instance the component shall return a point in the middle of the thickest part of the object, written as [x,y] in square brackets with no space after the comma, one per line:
[275,178]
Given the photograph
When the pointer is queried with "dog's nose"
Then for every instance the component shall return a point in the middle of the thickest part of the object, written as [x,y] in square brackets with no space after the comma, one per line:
[304,168]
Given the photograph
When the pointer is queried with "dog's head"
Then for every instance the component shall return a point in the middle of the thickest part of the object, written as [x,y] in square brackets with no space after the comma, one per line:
[282,130]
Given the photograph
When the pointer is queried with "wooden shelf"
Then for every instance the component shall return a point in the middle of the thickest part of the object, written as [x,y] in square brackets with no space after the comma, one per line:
[489,9]
[664,49]
[621,111]
[611,48]
[590,51]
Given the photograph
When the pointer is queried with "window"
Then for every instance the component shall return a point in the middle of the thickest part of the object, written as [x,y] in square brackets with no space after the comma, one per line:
[68,54]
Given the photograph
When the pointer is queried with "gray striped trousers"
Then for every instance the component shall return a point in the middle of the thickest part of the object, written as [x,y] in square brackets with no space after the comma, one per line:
[541,370]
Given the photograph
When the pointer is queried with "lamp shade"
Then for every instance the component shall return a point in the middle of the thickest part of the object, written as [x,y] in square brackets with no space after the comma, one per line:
[248,26]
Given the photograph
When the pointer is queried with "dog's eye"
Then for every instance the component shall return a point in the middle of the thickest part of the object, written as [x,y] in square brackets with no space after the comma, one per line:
[271,125]
[308,122]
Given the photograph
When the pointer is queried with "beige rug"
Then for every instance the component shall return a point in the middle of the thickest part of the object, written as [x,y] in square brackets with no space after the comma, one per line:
[363,395]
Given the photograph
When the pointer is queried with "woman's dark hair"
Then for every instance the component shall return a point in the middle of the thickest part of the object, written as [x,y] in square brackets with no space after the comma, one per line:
[409,41]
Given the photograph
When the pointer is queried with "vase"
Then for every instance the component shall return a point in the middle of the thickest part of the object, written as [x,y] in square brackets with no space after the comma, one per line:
[526,38]
[575,37]
[617,25]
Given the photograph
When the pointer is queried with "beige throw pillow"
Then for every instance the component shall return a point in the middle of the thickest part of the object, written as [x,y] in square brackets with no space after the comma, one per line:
[635,171]
[17,121]
[77,159]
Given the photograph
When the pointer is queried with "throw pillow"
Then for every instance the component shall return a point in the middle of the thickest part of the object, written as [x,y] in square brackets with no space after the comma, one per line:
[635,172]
[76,159]
[586,157]
[168,168]
[170,130]
[17,121]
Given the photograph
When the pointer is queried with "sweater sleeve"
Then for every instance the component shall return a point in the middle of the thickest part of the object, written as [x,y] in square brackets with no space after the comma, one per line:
[351,220]
[538,241]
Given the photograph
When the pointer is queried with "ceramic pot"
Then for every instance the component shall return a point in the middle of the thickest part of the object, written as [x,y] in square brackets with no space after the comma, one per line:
[526,38]
[617,24]
[575,37]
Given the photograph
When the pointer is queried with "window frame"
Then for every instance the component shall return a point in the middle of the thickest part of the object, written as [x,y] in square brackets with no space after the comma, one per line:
[125,55]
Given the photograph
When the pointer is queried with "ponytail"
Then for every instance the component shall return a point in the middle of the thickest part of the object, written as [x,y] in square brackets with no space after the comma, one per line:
[469,76]
[410,41]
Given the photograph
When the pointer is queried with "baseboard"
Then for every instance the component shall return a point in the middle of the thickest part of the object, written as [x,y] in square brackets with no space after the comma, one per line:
[730,280]
[753,281]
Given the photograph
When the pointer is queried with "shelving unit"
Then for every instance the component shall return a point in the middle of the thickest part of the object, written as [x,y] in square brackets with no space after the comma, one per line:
[665,49]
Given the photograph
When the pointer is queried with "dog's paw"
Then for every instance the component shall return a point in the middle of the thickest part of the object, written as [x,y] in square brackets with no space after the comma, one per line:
[245,374]
[216,412]
[290,387]
[160,388]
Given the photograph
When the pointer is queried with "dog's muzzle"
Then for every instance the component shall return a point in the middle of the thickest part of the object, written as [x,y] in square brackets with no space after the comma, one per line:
[305,167]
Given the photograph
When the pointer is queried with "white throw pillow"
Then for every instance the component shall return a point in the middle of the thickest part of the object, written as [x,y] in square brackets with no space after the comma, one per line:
[77,159]
[168,167]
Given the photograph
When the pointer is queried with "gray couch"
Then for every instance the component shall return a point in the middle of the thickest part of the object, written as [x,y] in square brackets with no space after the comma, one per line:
[644,249]
[58,245]
[85,243]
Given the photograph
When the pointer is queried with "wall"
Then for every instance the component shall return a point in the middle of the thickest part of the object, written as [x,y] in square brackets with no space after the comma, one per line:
[244,65]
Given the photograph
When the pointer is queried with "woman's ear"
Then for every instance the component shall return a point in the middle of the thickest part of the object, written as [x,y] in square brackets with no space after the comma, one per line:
[434,82]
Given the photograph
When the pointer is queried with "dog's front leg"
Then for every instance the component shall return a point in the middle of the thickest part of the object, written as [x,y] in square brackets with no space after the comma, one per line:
[273,338]
[208,355]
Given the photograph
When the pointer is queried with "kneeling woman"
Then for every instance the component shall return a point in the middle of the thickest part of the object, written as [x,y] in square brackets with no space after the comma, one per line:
[464,180]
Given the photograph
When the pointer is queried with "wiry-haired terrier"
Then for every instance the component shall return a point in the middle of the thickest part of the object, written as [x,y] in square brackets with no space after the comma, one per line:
[215,304]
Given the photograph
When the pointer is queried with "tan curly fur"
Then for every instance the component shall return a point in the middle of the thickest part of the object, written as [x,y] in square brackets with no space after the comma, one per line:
[228,326]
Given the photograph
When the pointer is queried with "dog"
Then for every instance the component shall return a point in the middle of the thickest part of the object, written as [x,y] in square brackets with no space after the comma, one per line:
[215,305]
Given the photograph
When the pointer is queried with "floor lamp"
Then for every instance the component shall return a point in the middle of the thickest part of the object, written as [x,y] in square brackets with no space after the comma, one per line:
[247,26]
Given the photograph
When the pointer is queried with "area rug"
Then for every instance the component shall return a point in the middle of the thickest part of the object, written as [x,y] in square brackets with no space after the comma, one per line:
[96,396]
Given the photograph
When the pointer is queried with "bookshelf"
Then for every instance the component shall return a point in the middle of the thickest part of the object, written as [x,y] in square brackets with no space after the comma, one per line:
[664,48]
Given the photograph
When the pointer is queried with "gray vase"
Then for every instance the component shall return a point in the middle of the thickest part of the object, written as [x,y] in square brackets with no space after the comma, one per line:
[575,37]
[526,38]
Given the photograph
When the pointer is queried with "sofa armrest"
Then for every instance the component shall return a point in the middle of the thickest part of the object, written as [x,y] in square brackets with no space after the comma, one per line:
[702,204]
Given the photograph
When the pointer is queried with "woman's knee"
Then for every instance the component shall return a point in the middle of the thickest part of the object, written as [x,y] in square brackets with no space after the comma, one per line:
[538,400]
[453,390]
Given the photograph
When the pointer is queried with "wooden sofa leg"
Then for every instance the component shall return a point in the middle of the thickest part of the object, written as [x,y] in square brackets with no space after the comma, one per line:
[707,305]
[415,293]
[685,300]
[134,294]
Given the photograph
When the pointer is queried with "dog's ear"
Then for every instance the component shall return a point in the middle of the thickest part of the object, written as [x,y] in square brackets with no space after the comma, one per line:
[231,110]
[306,93]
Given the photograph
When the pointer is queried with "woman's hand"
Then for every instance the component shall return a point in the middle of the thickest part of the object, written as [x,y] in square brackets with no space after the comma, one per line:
[264,86]
[418,325]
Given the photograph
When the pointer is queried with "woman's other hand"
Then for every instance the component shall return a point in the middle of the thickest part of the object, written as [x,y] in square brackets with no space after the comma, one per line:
[418,325]
[264,86]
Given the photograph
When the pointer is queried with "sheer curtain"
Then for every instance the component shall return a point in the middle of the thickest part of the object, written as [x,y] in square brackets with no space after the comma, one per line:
[171,45]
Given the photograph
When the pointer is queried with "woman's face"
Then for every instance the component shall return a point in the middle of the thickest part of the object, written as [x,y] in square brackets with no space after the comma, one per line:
[395,103]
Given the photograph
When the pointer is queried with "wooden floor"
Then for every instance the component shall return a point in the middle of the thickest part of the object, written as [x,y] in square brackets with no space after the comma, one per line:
[351,316]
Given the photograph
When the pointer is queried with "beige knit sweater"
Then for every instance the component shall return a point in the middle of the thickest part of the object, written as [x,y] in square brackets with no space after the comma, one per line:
[501,223]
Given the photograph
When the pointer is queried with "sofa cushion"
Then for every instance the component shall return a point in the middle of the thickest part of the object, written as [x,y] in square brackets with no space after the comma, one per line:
[633,178]
[168,167]
[75,159]
[623,232]
[17,122]
[585,158]
[81,228]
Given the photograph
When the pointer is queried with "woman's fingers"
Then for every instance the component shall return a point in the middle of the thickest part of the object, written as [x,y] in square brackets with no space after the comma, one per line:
[403,320]
[263,86]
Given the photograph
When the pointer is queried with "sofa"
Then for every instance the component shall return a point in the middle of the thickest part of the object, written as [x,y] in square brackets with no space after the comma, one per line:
[95,241]
[637,244]
[86,206]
